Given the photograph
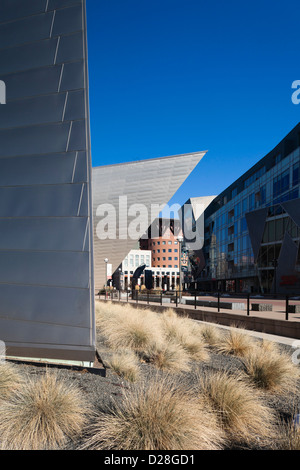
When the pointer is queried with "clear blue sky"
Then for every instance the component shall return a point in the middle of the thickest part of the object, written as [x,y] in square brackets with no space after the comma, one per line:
[176,76]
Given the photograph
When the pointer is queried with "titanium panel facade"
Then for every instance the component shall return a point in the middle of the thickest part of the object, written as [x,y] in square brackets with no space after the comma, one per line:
[120,189]
[46,258]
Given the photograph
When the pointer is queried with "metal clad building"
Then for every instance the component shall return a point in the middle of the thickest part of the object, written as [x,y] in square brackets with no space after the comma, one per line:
[46,256]
[252,229]
[148,183]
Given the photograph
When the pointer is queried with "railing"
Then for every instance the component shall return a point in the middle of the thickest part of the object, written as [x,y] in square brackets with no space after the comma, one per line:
[216,300]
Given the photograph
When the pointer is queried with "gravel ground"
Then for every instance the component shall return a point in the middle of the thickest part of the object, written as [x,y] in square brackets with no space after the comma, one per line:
[101,390]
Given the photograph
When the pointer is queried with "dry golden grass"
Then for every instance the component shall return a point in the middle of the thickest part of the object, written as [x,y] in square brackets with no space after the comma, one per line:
[157,415]
[125,327]
[10,379]
[42,415]
[166,340]
[125,364]
[183,331]
[270,370]
[167,356]
[289,436]
[243,415]
[211,334]
[235,342]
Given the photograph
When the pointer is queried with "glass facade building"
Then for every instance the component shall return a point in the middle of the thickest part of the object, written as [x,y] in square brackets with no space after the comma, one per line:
[252,234]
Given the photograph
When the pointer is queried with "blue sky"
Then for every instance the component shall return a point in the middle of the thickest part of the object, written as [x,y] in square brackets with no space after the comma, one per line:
[177,76]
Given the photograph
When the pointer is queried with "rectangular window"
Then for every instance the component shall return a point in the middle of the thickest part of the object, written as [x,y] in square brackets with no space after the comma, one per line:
[281,183]
[245,205]
[296,174]
[251,202]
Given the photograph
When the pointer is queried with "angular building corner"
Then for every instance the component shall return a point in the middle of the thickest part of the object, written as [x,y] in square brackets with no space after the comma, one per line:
[46,248]
[123,189]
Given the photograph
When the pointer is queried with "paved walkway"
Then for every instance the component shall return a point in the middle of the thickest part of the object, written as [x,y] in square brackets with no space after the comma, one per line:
[278,306]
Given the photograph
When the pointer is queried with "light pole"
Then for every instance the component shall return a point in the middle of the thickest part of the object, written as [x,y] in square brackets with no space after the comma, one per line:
[106,271]
[180,240]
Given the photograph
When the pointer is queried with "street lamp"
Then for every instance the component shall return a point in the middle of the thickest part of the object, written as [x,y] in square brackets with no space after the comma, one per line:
[106,270]
[180,240]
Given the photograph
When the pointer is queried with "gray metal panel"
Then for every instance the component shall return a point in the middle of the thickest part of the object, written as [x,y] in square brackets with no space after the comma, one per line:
[43,234]
[33,140]
[256,221]
[30,29]
[33,82]
[45,169]
[28,56]
[293,209]
[286,262]
[149,182]
[46,250]
[13,9]
[70,48]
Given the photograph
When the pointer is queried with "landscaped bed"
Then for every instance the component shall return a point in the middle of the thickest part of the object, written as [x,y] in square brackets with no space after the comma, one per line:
[172,383]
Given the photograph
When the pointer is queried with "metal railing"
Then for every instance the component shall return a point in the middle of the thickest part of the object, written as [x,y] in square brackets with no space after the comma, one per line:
[217,300]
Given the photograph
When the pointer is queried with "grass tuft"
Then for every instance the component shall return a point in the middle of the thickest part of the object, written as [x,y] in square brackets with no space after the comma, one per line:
[42,415]
[10,379]
[157,415]
[241,412]
[236,343]
[271,370]
[125,363]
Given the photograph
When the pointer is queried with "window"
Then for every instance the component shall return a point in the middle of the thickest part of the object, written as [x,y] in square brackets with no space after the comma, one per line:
[251,202]
[244,225]
[170,258]
[296,174]
[170,250]
[281,183]
[237,210]
[176,258]
[169,243]
[244,205]
[163,243]
[175,250]
[164,250]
